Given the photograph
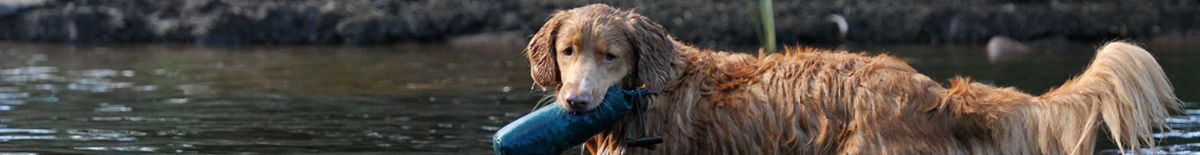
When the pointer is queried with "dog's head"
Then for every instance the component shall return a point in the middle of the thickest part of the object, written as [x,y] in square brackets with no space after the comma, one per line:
[583,51]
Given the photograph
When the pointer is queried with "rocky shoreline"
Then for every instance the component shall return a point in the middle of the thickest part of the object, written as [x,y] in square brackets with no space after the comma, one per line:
[706,22]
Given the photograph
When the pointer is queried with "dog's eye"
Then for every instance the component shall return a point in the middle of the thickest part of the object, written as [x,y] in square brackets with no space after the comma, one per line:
[568,51]
[610,57]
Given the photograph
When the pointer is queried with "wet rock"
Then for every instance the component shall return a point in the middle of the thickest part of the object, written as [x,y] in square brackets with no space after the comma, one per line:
[1001,48]
[9,7]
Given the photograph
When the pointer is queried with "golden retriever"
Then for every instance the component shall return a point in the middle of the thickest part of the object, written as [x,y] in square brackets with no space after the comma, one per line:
[812,101]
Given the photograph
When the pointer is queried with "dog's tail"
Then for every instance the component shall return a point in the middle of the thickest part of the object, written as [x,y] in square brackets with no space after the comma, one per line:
[1124,89]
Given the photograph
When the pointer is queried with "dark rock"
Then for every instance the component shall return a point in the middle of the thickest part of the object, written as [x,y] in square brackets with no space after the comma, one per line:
[73,24]
[370,29]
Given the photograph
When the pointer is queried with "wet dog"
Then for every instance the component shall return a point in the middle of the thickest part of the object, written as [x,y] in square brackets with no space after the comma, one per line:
[814,101]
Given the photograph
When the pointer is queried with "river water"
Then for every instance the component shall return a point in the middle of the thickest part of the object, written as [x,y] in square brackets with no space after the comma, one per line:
[395,99]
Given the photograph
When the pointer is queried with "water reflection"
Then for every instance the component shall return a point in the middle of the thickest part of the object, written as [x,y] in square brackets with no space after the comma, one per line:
[116,99]
[189,99]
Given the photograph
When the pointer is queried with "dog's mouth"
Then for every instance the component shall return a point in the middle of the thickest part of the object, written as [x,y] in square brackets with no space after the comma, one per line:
[570,106]
[576,107]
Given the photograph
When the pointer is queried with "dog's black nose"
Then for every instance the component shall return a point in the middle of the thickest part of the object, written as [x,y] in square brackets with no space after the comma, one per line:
[578,101]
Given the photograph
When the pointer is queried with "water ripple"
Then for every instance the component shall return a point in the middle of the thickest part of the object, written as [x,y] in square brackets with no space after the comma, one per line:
[5,138]
[1180,149]
[103,135]
[30,131]
[105,107]
[1177,134]
[14,95]
[117,148]
[28,74]
[131,119]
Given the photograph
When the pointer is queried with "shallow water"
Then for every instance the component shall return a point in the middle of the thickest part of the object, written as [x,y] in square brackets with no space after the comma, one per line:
[407,99]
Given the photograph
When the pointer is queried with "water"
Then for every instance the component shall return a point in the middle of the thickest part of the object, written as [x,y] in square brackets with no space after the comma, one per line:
[406,99]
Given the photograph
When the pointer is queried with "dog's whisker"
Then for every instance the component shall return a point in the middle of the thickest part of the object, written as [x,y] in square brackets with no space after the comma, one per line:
[546,100]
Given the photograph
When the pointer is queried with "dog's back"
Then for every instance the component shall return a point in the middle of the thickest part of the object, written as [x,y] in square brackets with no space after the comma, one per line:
[808,101]
[820,102]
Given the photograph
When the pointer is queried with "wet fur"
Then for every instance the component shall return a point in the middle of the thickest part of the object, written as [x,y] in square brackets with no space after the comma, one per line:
[815,101]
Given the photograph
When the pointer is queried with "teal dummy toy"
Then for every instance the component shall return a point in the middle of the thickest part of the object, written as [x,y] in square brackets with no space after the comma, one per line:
[553,130]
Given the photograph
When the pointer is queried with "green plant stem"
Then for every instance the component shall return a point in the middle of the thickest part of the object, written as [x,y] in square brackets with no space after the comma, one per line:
[768,16]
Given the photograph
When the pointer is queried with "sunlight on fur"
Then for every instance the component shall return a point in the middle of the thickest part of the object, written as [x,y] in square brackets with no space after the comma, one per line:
[816,101]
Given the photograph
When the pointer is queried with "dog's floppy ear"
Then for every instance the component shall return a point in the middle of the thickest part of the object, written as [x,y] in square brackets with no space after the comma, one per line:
[654,50]
[542,53]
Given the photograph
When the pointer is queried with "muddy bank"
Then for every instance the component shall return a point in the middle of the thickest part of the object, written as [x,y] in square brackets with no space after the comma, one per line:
[709,23]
